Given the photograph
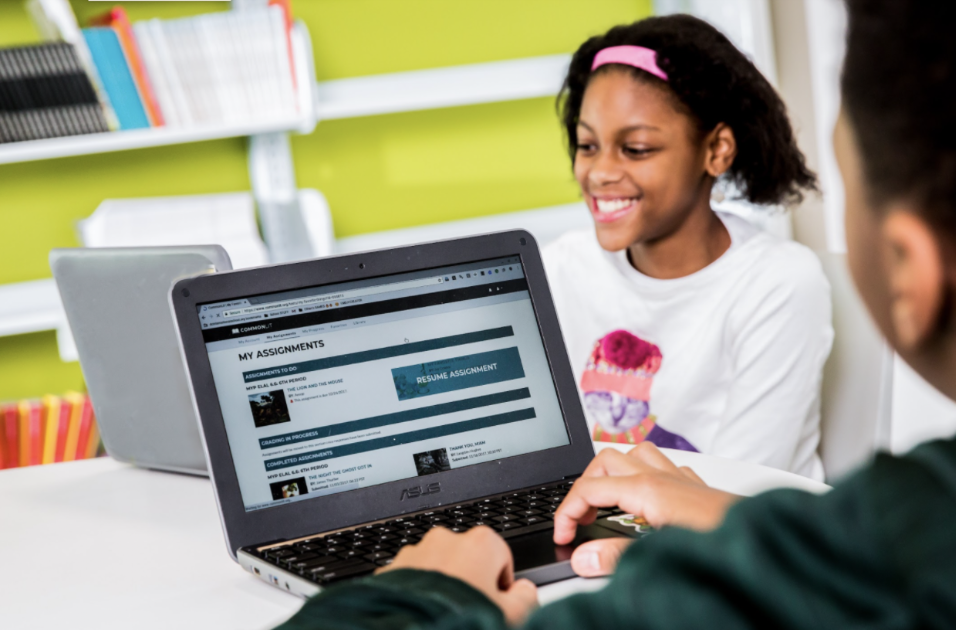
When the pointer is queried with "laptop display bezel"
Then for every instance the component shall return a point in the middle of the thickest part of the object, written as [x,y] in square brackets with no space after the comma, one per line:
[353,507]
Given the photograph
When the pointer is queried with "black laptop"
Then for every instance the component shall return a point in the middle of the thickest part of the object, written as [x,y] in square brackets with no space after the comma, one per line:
[350,404]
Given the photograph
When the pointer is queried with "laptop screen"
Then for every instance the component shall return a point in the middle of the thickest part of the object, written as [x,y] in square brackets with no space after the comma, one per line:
[338,387]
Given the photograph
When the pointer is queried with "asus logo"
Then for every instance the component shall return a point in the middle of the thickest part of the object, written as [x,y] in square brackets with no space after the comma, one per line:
[417,491]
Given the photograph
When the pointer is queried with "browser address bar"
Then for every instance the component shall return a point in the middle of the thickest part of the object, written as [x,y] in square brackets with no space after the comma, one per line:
[342,295]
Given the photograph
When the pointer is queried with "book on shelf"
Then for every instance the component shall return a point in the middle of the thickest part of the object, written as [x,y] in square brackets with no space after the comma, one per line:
[117,76]
[45,93]
[57,23]
[117,19]
[226,68]
[52,429]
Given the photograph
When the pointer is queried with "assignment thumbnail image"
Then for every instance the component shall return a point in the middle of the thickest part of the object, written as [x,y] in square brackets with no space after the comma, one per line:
[431,462]
[289,489]
[269,408]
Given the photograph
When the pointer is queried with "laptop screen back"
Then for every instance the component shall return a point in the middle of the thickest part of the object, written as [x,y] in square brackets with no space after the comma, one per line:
[338,387]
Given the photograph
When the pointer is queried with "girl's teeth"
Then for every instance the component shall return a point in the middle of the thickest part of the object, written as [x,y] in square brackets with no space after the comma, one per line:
[613,205]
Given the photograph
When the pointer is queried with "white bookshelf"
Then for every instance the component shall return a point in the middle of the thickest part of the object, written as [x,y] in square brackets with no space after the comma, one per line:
[28,307]
[135,139]
[471,84]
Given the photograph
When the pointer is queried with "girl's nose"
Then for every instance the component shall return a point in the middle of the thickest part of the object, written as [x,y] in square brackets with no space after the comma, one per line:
[605,170]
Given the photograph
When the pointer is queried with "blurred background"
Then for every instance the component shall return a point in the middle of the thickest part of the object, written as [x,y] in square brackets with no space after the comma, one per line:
[417,119]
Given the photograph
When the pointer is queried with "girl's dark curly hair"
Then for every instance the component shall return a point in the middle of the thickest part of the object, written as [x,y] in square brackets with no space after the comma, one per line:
[714,83]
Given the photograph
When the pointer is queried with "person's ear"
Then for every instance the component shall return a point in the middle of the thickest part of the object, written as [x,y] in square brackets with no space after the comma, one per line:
[916,274]
[721,146]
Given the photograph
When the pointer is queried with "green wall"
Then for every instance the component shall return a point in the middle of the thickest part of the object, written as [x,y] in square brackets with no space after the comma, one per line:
[378,172]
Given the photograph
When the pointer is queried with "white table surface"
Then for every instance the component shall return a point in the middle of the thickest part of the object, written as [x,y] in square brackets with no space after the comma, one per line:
[100,544]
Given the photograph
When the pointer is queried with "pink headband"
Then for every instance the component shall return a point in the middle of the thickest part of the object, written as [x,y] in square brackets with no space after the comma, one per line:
[637,56]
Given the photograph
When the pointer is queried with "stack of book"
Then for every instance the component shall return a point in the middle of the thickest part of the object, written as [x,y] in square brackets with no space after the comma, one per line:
[54,429]
[233,67]
[227,67]
[45,93]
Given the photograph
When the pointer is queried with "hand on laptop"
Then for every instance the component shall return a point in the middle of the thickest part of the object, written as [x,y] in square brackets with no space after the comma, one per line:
[645,483]
[478,557]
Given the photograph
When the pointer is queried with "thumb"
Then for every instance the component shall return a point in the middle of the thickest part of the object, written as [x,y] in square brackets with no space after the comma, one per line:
[518,601]
[599,557]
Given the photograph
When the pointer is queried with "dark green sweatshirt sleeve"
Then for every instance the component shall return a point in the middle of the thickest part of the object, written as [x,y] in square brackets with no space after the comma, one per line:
[879,551]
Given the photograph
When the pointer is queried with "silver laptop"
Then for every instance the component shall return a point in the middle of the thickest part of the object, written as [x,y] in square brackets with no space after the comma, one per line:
[117,304]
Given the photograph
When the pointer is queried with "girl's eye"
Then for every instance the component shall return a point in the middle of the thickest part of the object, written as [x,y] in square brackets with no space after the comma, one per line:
[585,147]
[638,151]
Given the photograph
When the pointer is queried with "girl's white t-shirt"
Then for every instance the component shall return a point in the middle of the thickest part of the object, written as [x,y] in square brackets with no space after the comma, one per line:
[740,344]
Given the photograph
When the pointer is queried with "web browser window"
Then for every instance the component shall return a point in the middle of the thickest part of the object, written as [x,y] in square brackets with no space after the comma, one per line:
[338,387]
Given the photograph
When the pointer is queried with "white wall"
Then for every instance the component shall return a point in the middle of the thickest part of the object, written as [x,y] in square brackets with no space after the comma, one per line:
[918,411]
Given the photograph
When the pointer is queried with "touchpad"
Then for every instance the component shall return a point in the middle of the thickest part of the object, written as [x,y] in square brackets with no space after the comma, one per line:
[539,559]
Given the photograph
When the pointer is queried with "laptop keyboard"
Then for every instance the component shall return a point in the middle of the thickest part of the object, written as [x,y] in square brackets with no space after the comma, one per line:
[359,551]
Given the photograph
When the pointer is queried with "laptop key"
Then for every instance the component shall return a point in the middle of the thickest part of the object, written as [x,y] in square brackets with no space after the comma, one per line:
[378,555]
[351,553]
[385,562]
[505,517]
[281,552]
[521,529]
[339,574]
[302,557]
[329,564]
[506,525]
[333,549]
[527,513]
[532,520]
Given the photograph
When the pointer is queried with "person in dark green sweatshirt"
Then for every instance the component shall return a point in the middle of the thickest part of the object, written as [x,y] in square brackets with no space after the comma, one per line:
[879,550]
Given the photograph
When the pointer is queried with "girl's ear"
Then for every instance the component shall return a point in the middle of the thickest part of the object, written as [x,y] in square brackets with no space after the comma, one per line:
[916,271]
[721,149]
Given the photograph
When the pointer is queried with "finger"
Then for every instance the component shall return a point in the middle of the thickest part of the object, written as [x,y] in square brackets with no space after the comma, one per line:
[498,554]
[518,601]
[611,462]
[599,557]
[690,474]
[647,453]
[587,494]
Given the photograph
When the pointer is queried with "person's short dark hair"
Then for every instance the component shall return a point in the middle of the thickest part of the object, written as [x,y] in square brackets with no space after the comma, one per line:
[899,94]
[713,83]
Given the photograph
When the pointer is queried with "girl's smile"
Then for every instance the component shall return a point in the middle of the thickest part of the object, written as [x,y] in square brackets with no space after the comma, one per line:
[611,209]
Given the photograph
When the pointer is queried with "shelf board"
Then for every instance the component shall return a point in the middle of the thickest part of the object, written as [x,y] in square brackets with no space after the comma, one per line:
[472,84]
[28,307]
[136,139]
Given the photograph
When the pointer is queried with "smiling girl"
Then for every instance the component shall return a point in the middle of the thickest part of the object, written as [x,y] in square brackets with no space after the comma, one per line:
[688,327]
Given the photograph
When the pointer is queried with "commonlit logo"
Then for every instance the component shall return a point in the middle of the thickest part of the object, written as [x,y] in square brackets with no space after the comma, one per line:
[235,331]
